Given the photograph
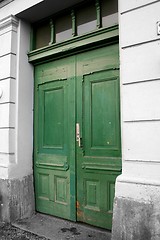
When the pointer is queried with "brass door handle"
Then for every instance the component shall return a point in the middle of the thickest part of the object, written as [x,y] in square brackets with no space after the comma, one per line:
[78,138]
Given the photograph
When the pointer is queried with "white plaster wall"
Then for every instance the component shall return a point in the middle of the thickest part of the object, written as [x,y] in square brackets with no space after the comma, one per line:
[141,62]
[7,118]
[141,141]
[142,171]
[142,192]
[24,106]
[140,98]
[140,101]
[16,81]
[9,94]
[131,5]
[7,37]
[143,26]
[8,66]
[8,32]
[16,103]
[7,141]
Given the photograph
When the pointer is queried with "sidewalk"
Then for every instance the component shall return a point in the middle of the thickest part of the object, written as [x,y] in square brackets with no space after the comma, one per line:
[9,232]
[58,229]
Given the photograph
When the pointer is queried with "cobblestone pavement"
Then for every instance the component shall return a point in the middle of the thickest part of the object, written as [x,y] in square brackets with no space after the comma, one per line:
[8,232]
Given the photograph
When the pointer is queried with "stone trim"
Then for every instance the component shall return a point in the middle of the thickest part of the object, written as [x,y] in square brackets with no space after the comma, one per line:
[141,181]
[16,199]
[10,21]
[134,220]
[5,2]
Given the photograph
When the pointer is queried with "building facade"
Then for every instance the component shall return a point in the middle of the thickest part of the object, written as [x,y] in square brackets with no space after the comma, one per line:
[79,113]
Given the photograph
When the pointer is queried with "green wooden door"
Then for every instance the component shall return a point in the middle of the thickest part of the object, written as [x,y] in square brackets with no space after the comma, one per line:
[54,157]
[98,150]
[77,136]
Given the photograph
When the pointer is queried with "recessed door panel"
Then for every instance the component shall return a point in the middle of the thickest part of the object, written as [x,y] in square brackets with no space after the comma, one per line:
[53,125]
[101,113]
[53,129]
[52,112]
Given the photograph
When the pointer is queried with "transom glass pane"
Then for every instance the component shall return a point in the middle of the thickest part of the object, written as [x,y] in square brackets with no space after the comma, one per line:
[42,34]
[109,12]
[63,28]
[86,19]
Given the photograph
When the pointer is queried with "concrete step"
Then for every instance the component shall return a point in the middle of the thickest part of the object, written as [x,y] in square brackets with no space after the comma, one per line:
[59,229]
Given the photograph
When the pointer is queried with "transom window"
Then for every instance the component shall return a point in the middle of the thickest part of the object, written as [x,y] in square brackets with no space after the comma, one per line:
[76,21]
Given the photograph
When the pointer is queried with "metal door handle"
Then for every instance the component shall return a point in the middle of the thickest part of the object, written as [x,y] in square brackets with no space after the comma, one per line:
[78,138]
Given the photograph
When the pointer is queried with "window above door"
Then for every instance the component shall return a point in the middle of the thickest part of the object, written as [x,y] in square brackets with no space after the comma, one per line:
[75,21]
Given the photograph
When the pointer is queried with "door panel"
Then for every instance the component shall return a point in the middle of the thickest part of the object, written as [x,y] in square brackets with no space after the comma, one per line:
[52,112]
[98,113]
[101,113]
[55,138]
[80,89]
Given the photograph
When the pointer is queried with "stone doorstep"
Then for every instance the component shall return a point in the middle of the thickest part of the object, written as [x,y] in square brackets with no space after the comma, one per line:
[59,229]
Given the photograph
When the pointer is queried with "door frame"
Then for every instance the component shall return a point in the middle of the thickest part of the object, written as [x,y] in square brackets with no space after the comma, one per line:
[90,41]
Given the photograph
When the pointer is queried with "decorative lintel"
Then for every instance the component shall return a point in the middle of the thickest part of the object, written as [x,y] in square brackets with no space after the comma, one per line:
[74,28]
[52,26]
[77,43]
[98,10]
[10,21]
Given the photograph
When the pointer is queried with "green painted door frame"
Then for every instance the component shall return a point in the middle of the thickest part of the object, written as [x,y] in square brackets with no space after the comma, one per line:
[75,179]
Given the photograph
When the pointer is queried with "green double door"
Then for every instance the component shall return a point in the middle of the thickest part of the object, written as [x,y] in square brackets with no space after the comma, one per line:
[77,153]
